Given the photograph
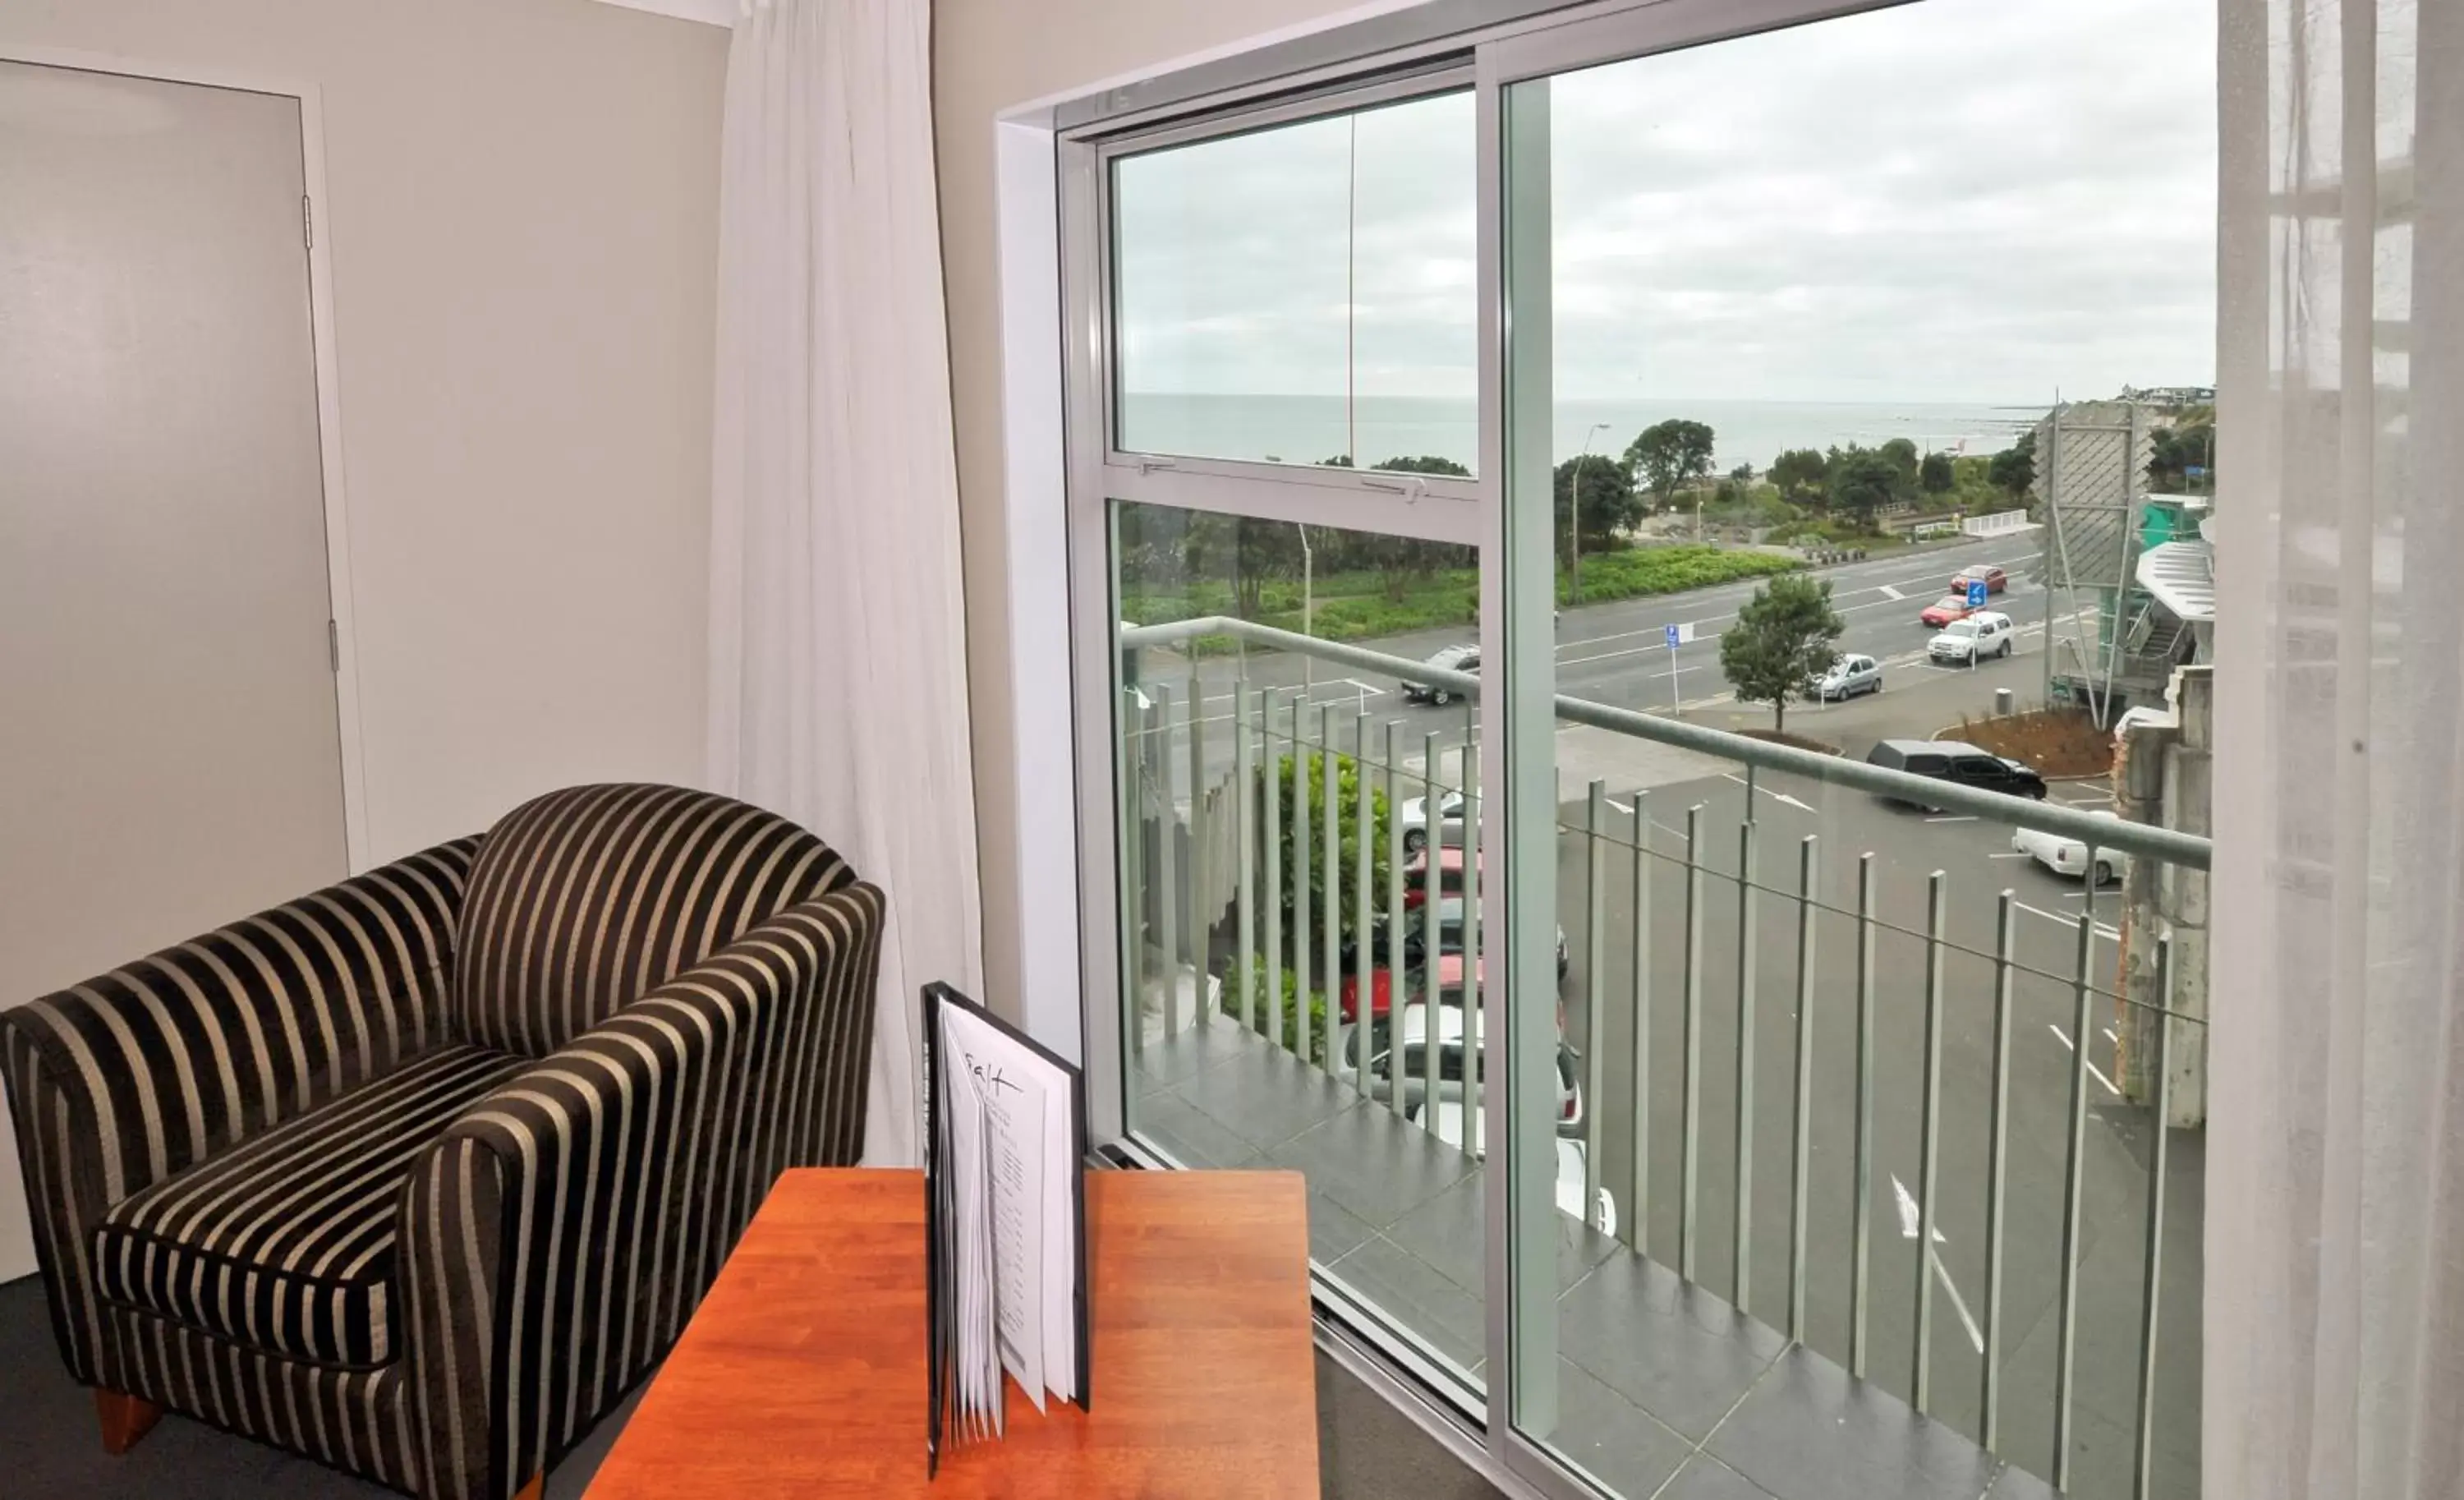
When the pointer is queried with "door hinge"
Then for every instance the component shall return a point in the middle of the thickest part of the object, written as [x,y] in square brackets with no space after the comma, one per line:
[334,647]
[308,221]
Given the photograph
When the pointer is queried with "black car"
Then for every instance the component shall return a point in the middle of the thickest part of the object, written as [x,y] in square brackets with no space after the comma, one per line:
[1949,761]
[1454,658]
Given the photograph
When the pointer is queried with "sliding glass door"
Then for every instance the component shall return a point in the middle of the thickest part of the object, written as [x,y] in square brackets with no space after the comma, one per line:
[1549,511]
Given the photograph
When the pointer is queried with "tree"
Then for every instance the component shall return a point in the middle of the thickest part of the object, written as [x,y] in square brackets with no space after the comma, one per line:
[1863,481]
[1668,454]
[1781,641]
[1251,553]
[1609,502]
[2173,451]
[1801,475]
[1902,455]
[1349,782]
[2013,470]
[1935,476]
[1742,473]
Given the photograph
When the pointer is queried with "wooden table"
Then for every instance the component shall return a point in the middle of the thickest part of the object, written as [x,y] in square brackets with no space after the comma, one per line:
[802,1373]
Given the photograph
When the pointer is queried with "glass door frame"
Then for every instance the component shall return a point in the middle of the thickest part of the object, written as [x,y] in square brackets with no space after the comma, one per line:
[1501,44]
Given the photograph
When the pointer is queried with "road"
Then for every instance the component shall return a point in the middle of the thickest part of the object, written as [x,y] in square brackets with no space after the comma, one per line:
[1614,653]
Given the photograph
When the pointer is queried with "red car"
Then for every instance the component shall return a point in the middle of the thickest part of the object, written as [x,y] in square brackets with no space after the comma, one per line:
[1450,872]
[1995,580]
[1949,607]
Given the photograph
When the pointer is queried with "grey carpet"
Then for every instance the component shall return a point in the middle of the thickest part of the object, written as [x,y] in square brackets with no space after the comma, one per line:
[1367,1449]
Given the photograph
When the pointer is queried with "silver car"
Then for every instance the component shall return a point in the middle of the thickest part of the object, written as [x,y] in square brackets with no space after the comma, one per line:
[1848,676]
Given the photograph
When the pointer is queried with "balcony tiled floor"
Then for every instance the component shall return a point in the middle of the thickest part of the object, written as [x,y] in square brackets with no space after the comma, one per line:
[1664,1388]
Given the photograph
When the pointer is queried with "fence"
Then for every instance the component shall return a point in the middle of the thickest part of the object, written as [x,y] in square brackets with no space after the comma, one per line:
[1274,961]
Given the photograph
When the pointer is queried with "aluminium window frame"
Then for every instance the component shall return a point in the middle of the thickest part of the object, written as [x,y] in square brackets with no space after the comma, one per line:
[1443,47]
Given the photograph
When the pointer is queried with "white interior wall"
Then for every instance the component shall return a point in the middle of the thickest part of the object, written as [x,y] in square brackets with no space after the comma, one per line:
[523,215]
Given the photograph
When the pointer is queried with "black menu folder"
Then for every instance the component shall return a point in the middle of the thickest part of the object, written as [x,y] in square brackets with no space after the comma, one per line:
[1004,1220]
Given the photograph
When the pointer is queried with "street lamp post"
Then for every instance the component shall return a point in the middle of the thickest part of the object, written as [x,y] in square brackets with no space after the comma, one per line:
[1574,513]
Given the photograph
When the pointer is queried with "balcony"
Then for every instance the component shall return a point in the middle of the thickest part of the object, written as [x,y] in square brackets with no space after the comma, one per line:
[1867,1027]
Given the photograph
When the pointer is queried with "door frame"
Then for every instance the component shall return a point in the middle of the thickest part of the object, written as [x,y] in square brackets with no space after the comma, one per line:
[338,601]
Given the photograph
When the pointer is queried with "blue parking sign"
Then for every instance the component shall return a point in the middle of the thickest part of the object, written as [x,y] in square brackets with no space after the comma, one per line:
[1976,593]
[1674,638]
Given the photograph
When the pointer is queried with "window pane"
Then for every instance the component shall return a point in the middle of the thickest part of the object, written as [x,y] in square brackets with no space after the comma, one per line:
[1303,293]
[1794,293]
[1282,1008]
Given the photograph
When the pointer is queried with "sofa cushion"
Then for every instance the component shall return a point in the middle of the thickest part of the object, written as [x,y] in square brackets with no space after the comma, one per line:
[285,1243]
[585,900]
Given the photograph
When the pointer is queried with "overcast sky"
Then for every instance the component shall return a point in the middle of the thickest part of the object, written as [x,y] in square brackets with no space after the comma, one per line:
[1954,200]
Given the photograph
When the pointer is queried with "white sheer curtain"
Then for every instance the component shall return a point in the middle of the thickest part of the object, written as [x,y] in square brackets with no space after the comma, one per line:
[838,690]
[2335,1230]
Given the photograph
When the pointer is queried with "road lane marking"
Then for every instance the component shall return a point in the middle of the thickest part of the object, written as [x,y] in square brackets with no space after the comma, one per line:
[1910,1218]
[2007,854]
[2110,1037]
[1952,817]
[1801,806]
[1893,592]
[2069,920]
[2063,1037]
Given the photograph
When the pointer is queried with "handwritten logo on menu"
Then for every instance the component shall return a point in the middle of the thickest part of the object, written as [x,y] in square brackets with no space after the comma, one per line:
[993,1075]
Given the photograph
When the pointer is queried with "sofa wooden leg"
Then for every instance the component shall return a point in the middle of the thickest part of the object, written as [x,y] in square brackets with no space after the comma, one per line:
[126,1419]
[533,1491]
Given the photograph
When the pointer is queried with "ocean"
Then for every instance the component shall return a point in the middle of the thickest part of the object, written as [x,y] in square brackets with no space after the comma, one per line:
[1307,429]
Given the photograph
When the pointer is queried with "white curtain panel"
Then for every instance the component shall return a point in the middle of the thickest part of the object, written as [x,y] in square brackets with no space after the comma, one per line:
[2335,1146]
[838,689]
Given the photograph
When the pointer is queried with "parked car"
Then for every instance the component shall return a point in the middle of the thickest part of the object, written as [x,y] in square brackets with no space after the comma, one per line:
[1847,677]
[1942,612]
[1450,948]
[1949,761]
[1981,635]
[1399,1045]
[1450,873]
[2065,856]
[1454,658]
[1995,580]
[1414,816]
[1572,1162]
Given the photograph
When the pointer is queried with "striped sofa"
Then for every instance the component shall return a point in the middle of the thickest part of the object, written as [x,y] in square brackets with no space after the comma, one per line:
[419,1173]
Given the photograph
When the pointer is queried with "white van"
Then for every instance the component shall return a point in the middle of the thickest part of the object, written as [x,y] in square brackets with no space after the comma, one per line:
[1981,637]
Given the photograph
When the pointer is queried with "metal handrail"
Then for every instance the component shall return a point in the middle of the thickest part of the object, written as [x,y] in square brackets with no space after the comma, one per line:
[2132,838]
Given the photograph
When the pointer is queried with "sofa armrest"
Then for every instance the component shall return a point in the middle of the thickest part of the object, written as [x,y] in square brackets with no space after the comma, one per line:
[557,1239]
[120,1082]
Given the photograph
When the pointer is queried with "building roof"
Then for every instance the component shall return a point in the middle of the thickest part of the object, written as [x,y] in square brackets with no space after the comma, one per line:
[2182,576]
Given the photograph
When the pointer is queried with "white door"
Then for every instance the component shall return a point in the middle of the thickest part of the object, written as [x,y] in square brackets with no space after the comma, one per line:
[169,754]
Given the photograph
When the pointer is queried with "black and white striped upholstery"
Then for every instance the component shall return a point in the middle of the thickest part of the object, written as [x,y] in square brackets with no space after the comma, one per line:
[418,1175]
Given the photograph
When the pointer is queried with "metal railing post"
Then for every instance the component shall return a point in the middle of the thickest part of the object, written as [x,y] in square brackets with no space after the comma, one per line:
[1201,951]
[1595,961]
[1689,1123]
[2159,1128]
[1304,898]
[1330,904]
[1637,1218]
[2005,939]
[1801,1164]
[1398,928]
[1273,822]
[1475,1040]
[1364,962]
[1742,1265]
[1929,1136]
[2074,1174]
[1167,868]
[1245,839]
[1864,1145]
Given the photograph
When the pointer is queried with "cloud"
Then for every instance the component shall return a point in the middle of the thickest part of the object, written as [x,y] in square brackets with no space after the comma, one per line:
[1955,200]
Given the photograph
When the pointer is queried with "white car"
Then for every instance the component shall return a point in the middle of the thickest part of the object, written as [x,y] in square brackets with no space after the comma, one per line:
[2065,856]
[1414,818]
[1847,676]
[1414,1061]
[1970,641]
[1571,1165]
